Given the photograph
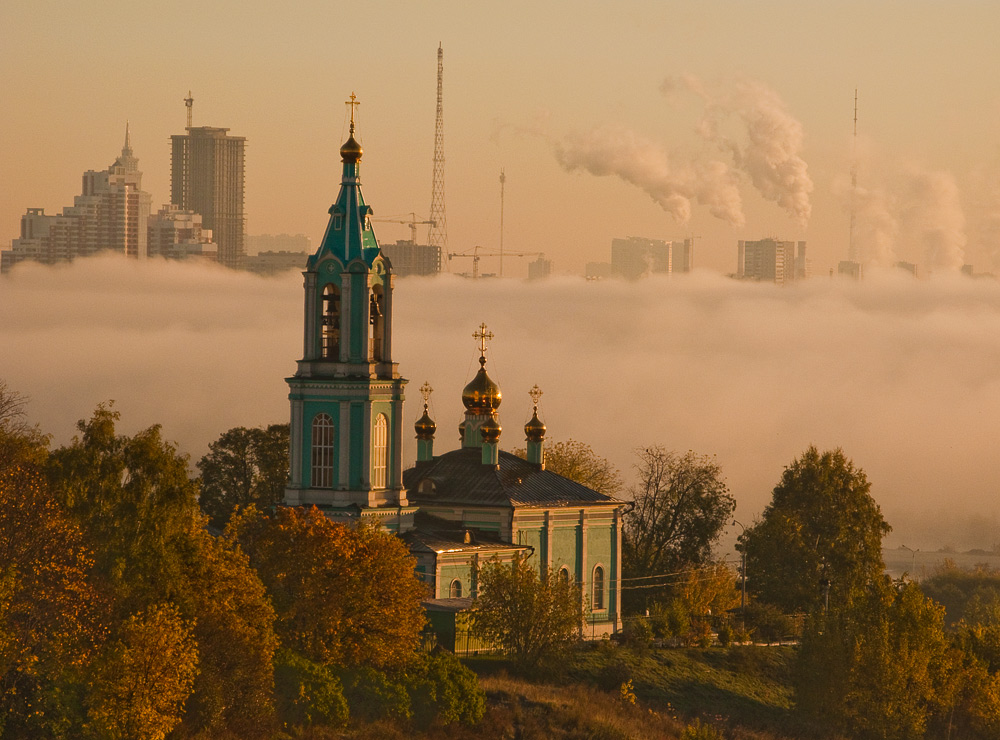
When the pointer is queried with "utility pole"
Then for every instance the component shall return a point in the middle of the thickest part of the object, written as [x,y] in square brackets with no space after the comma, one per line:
[503,179]
[852,248]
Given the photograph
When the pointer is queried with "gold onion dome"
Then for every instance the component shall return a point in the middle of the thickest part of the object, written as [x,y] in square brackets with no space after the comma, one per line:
[491,430]
[534,430]
[351,151]
[425,426]
[482,395]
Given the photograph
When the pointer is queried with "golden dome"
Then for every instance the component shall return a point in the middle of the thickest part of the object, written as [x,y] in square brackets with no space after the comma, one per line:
[491,430]
[482,395]
[351,151]
[425,426]
[534,430]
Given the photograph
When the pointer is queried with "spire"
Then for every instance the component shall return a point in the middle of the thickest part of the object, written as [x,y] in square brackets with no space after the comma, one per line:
[351,151]
[534,431]
[127,149]
[425,427]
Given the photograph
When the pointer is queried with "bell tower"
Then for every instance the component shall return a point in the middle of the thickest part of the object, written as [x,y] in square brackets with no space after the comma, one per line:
[346,395]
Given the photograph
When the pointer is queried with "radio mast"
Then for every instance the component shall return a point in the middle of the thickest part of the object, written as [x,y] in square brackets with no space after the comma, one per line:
[438,235]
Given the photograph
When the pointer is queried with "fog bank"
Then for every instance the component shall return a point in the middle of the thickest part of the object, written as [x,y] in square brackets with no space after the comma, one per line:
[903,374]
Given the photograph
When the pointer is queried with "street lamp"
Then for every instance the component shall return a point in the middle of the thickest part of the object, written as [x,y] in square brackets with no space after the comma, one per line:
[913,558]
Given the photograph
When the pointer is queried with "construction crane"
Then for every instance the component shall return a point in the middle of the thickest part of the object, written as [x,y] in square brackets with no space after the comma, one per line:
[476,255]
[189,104]
[411,222]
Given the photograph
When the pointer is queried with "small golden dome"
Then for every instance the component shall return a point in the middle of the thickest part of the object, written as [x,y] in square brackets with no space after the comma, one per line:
[534,430]
[425,426]
[482,395]
[351,151]
[491,430]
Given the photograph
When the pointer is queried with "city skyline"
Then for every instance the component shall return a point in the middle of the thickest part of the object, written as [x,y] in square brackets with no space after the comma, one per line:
[522,98]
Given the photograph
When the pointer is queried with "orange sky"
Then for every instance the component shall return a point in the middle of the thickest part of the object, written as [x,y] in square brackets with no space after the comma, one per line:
[521,80]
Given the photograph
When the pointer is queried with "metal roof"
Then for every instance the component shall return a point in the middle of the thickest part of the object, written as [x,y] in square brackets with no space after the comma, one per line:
[460,477]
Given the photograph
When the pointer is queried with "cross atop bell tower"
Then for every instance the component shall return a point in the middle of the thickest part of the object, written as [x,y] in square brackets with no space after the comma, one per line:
[347,395]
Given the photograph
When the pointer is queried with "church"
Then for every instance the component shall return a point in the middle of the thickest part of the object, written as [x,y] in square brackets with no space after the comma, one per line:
[455,510]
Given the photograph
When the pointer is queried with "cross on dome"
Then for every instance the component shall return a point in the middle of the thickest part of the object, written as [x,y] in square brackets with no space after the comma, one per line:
[352,102]
[425,391]
[483,336]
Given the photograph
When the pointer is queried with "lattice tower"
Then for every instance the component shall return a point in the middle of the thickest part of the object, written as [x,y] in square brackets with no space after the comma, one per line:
[438,236]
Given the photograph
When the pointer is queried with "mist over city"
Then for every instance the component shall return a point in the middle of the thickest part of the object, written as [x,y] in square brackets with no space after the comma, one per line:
[899,373]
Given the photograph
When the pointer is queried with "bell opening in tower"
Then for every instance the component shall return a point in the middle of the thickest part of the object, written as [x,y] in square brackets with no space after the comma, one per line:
[331,323]
[376,321]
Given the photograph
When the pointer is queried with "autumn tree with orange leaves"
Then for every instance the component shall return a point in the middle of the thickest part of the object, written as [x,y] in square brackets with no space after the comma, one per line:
[344,596]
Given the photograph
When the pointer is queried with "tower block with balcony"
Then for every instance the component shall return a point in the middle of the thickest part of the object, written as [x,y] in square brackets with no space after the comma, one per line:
[347,396]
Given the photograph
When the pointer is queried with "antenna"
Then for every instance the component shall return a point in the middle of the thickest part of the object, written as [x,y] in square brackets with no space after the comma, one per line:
[503,179]
[189,104]
[438,236]
[852,248]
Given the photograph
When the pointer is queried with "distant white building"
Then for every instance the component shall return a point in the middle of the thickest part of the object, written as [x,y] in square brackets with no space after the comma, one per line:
[111,213]
[176,233]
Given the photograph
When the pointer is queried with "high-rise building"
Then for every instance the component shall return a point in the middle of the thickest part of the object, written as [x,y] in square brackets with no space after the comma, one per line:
[539,268]
[682,255]
[206,176]
[176,233]
[770,260]
[111,213]
[408,258]
[636,257]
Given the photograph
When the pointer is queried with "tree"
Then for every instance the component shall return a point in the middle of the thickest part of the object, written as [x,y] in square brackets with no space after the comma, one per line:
[50,611]
[145,677]
[820,538]
[681,506]
[243,467]
[578,462]
[529,617]
[20,443]
[343,595]
[131,496]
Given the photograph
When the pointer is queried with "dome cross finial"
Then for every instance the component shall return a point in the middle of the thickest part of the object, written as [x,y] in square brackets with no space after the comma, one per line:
[352,102]
[425,392]
[536,394]
[483,336]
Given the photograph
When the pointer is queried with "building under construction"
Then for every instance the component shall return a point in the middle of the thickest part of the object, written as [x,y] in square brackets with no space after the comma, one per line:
[206,176]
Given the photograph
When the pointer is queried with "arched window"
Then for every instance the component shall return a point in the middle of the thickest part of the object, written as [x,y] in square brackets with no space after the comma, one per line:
[376,319]
[322,451]
[379,445]
[563,576]
[597,601]
[331,323]
[456,589]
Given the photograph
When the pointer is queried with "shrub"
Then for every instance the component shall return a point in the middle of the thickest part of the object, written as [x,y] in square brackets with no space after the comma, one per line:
[443,690]
[697,730]
[726,634]
[373,695]
[670,619]
[638,633]
[307,693]
[768,623]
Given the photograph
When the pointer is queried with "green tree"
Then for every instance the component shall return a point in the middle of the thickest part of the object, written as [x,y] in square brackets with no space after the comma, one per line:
[243,467]
[132,497]
[145,677]
[578,462]
[681,506]
[529,617]
[50,611]
[344,596]
[819,539]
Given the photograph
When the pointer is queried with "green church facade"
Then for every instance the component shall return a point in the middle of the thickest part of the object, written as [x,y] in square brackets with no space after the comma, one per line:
[458,510]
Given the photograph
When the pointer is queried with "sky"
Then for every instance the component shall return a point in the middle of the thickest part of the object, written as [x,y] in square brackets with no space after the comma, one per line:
[714,120]
[718,120]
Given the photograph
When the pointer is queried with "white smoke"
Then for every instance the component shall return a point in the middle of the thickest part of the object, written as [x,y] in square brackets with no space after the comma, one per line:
[767,153]
[769,148]
[932,221]
[640,162]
